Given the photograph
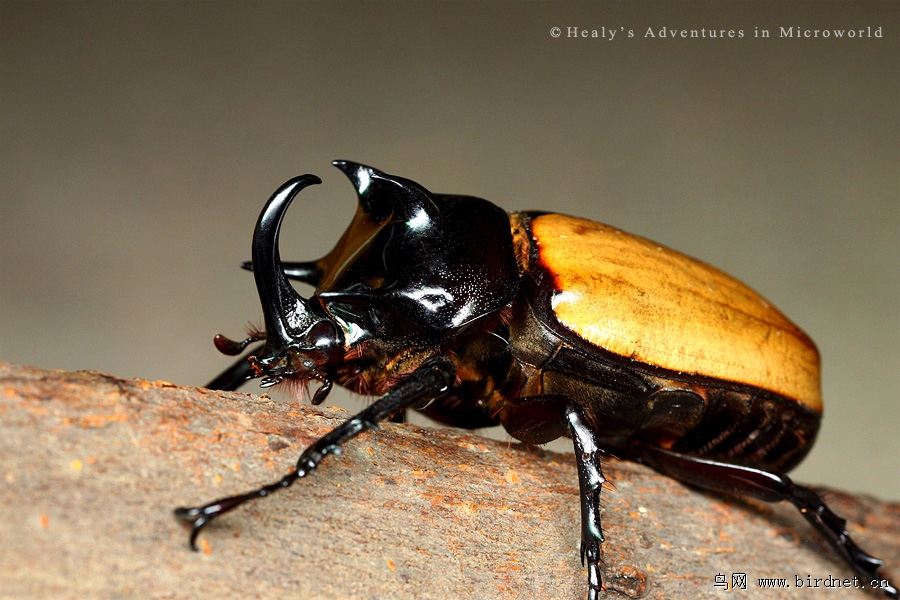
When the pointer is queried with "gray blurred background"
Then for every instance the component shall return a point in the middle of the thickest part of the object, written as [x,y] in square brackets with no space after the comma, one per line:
[140,140]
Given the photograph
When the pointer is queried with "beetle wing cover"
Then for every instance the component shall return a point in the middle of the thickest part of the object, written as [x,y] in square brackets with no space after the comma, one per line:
[640,300]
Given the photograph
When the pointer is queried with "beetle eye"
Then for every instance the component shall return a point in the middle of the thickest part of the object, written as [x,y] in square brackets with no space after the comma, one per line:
[327,342]
[374,282]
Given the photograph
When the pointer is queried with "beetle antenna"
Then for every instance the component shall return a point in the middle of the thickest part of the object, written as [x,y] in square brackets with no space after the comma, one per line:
[232,348]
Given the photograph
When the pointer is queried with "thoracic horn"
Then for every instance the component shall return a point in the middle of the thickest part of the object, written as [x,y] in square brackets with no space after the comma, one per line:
[382,195]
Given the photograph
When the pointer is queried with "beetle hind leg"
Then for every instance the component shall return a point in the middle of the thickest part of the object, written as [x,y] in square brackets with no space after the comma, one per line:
[769,487]
[833,528]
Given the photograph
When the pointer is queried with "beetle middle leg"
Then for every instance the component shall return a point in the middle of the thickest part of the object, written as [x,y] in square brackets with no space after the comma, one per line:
[541,419]
[769,487]
[590,480]
[430,380]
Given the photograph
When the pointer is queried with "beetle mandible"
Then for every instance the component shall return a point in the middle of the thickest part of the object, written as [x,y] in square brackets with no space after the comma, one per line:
[549,325]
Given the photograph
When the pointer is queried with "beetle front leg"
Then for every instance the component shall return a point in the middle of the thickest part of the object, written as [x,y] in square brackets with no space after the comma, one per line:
[427,382]
[590,481]
[234,376]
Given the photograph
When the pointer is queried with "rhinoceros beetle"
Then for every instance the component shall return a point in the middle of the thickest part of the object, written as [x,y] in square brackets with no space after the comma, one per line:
[549,325]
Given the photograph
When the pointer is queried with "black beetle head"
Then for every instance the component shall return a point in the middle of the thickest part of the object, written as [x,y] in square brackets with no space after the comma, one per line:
[300,341]
[414,269]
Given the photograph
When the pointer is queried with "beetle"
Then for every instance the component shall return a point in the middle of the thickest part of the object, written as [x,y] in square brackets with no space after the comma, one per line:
[550,325]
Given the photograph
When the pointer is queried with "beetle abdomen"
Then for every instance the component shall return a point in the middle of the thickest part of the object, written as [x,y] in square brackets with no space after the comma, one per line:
[736,425]
[751,429]
[642,301]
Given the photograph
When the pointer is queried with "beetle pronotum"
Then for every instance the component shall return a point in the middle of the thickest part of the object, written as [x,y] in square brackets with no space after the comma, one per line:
[549,325]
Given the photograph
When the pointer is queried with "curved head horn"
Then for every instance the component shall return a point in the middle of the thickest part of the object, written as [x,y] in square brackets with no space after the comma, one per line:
[289,321]
[285,311]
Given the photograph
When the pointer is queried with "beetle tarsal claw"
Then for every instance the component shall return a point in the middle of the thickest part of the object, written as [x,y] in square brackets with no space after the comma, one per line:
[196,518]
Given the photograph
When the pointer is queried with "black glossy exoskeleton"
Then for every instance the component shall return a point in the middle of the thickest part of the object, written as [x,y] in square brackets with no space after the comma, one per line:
[549,325]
